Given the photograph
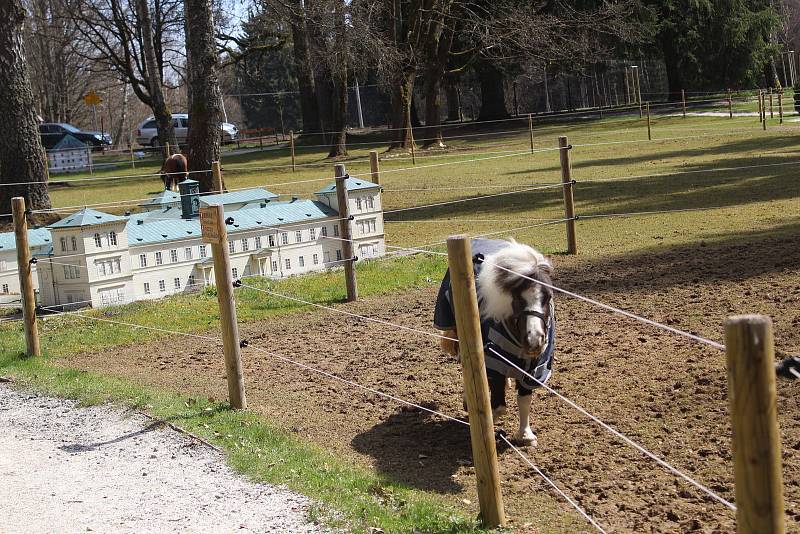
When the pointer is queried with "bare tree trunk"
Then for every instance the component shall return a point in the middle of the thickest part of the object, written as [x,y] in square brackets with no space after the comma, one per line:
[440,43]
[339,78]
[493,98]
[118,141]
[401,110]
[166,132]
[205,117]
[21,152]
[309,108]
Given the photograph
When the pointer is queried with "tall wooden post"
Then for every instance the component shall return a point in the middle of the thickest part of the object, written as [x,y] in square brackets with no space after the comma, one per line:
[133,159]
[760,108]
[291,146]
[730,104]
[763,111]
[647,107]
[756,440]
[569,202]
[780,107]
[771,109]
[530,129]
[476,386]
[413,148]
[347,236]
[374,167]
[25,273]
[212,225]
[683,99]
[217,180]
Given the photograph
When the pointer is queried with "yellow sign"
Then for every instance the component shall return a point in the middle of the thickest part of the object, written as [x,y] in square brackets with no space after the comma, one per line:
[92,98]
[210,224]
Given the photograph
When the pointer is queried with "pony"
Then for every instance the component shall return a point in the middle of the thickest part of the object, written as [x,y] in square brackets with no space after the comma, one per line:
[517,316]
[174,170]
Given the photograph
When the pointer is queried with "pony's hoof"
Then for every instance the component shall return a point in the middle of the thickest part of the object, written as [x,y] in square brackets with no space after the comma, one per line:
[526,438]
[499,412]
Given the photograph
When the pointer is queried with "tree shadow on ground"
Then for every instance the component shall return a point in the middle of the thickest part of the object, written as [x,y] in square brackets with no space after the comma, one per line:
[418,449]
[721,258]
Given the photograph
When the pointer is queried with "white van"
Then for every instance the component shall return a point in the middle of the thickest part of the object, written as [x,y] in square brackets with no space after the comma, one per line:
[147,132]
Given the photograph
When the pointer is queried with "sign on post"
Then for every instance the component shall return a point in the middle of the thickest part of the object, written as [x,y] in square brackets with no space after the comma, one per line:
[210,224]
[92,99]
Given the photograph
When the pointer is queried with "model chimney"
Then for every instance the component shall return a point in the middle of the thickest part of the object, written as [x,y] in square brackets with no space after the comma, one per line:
[190,198]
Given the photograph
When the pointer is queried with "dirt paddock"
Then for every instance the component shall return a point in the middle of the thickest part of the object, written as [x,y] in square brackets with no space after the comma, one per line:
[663,391]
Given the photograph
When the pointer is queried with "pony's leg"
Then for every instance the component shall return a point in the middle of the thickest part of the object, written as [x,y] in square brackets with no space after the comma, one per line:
[497,395]
[525,435]
[448,345]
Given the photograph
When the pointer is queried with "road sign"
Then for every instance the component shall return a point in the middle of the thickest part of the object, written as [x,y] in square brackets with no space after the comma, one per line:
[211,224]
[92,98]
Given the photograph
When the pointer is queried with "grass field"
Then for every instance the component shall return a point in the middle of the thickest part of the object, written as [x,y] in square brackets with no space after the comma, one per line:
[734,181]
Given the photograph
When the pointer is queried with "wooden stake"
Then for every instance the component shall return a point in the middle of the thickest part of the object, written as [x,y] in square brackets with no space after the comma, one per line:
[530,129]
[218,182]
[133,159]
[756,440]
[374,167]
[347,242]
[780,107]
[25,273]
[760,109]
[771,109]
[476,386]
[413,153]
[763,111]
[569,203]
[730,104]
[291,145]
[212,223]
[647,107]
[683,99]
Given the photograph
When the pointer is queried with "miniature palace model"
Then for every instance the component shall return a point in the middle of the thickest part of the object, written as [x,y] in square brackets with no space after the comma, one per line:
[96,258]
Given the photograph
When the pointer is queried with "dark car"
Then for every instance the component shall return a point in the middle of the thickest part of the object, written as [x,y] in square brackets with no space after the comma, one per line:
[53,132]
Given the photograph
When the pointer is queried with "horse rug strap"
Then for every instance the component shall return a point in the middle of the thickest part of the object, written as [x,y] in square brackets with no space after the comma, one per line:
[498,335]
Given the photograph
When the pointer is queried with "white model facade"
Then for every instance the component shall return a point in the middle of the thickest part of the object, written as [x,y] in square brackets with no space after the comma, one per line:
[94,258]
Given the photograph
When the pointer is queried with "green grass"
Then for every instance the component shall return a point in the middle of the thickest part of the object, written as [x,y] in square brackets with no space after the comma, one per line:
[350,496]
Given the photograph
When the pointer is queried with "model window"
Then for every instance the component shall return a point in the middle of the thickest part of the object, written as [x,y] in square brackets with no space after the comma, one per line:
[358,203]
[97,241]
[159,258]
[271,240]
[312,233]
[177,282]
[274,266]
[258,242]
[112,238]
[63,244]
[369,202]
[284,238]
[146,288]
[231,246]
[324,231]
[301,261]
[142,260]
[235,272]
[288,263]
[298,236]
[339,255]
[190,283]
[173,255]
[162,285]
[245,244]
[74,243]
[202,251]
[77,272]
[316,259]
[187,253]
[335,229]
[5,288]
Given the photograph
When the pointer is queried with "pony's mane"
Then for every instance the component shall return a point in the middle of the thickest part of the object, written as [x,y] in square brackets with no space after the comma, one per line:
[496,287]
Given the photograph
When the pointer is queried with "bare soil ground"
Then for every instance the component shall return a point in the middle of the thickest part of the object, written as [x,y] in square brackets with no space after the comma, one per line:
[663,391]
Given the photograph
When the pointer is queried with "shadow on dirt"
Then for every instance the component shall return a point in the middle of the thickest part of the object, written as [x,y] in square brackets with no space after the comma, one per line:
[418,449]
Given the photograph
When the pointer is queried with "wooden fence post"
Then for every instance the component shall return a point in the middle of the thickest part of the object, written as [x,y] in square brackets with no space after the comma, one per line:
[291,145]
[413,149]
[683,99]
[476,386]
[530,129]
[133,159]
[212,224]
[780,106]
[374,167]
[647,107]
[771,109]
[760,109]
[763,111]
[756,440]
[569,202]
[25,273]
[730,104]
[218,182]
[347,241]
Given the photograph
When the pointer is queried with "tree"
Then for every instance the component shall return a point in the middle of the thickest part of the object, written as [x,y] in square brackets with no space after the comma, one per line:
[21,152]
[205,116]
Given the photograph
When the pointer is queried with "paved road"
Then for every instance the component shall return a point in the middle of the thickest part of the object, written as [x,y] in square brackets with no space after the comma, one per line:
[67,469]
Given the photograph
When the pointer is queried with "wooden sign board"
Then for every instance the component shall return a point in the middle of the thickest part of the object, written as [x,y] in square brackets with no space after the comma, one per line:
[92,98]
[211,224]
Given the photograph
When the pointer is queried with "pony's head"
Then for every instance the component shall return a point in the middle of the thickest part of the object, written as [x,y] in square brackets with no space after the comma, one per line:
[518,300]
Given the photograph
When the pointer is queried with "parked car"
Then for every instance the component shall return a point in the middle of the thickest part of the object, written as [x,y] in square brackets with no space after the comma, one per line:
[53,132]
[147,132]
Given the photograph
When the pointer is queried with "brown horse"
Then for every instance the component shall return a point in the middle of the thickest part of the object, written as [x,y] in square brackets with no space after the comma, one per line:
[174,170]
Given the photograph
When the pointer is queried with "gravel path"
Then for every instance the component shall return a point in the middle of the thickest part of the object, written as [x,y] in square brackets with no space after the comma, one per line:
[70,469]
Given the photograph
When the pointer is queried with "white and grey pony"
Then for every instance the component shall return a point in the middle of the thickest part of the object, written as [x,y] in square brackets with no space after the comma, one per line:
[517,322]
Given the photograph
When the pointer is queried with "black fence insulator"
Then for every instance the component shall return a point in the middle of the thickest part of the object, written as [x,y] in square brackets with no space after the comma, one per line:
[237,283]
[355,258]
[33,261]
[229,221]
[351,217]
[243,343]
